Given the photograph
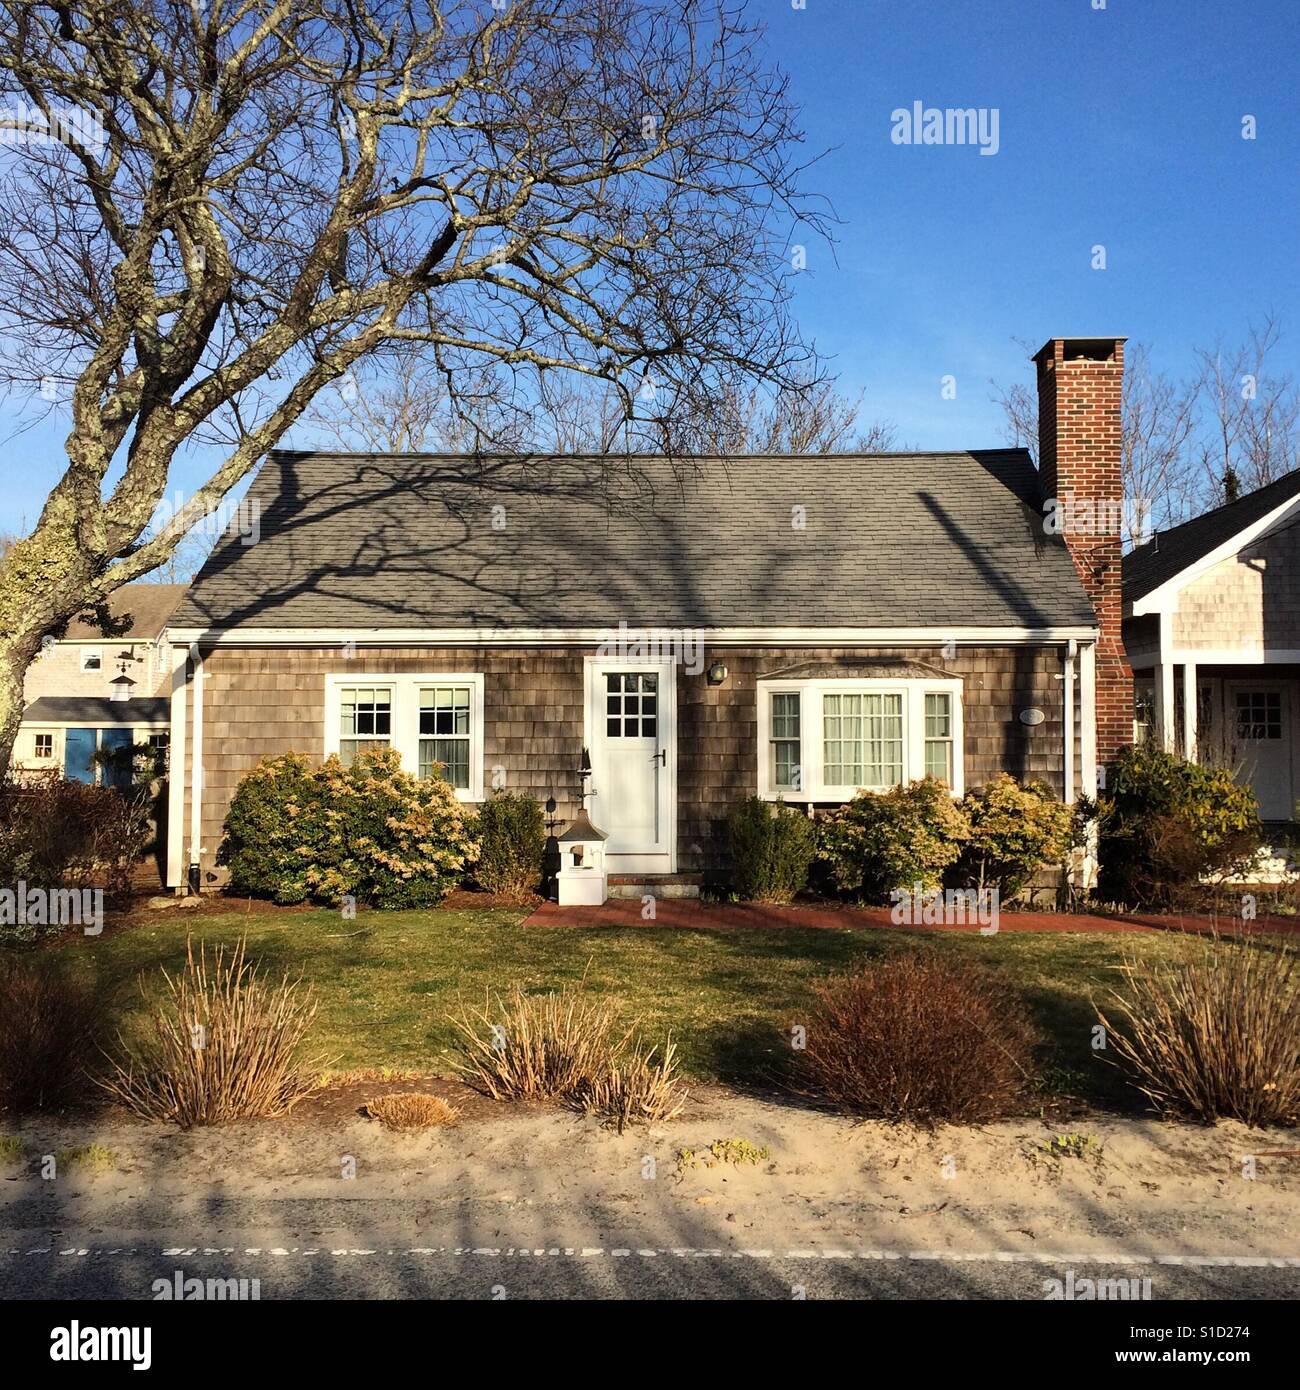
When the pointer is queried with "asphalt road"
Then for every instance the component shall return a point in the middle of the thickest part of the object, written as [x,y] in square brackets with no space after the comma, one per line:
[330,1250]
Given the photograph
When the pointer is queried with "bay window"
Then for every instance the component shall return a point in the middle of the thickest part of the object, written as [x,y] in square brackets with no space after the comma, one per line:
[434,722]
[826,739]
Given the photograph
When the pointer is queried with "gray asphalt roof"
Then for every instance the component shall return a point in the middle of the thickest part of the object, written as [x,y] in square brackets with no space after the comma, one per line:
[1172,551]
[94,709]
[356,541]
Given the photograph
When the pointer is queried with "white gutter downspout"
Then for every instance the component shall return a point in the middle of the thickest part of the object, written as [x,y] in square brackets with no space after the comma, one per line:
[1071,650]
[1088,718]
[196,771]
[176,774]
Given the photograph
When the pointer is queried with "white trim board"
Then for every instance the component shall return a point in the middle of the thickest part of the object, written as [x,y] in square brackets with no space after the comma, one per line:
[733,636]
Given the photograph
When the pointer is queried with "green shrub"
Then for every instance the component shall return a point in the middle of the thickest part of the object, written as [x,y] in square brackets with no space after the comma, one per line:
[772,846]
[369,831]
[512,838]
[1167,824]
[1014,831]
[266,829]
[880,842]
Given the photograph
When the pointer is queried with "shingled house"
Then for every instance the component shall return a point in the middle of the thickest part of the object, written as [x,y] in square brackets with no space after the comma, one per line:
[88,694]
[796,627]
[1212,625]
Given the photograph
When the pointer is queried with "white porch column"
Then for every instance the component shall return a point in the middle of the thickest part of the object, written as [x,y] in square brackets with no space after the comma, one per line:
[1088,718]
[1164,682]
[1189,710]
[176,774]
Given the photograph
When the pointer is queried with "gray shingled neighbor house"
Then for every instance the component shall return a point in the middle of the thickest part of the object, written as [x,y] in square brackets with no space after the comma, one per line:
[795,627]
[1212,626]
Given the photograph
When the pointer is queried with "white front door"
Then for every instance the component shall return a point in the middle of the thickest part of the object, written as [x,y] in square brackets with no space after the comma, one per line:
[1259,727]
[631,712]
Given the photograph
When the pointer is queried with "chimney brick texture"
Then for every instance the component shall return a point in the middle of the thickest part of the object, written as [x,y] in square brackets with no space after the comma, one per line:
[1080,462]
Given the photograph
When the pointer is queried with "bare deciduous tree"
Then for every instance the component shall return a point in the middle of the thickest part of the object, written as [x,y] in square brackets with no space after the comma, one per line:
[227,206]
[1252,433]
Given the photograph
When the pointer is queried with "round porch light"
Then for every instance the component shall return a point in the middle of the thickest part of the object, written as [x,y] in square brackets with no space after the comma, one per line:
[717,673]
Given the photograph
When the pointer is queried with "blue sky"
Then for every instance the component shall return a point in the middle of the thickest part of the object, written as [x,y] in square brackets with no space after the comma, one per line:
[1119,127]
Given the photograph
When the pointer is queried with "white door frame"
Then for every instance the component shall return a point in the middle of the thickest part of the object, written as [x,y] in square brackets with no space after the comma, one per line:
[595,667]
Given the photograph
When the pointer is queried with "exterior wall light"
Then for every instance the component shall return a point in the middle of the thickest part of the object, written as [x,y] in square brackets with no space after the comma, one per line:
[717,673]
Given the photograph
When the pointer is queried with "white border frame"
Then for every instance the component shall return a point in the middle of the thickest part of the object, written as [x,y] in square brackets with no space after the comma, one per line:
[405,736]
[913,689]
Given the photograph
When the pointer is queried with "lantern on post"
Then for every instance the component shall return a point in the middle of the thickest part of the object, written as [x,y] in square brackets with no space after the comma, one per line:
[582,880]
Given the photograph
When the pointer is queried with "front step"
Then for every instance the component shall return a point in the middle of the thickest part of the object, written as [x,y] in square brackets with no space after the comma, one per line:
[655,885]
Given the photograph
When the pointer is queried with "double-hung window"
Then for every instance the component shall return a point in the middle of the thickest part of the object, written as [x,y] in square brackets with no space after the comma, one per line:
[433,722]
[365,720]
[444,733]
[827,739]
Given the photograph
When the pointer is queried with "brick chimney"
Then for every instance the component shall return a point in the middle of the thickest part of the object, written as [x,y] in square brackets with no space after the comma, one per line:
[1080,458]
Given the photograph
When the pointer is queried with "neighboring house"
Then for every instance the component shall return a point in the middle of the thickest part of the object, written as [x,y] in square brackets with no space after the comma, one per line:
[1212,626]
[87,693]
[795,627]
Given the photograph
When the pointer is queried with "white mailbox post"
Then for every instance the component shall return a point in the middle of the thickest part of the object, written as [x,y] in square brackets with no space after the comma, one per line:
[582,880]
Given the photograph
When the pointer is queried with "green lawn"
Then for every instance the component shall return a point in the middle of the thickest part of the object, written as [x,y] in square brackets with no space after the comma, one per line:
[726,996]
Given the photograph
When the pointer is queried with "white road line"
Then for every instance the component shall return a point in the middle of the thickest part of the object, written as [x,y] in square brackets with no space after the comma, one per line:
[650,1252]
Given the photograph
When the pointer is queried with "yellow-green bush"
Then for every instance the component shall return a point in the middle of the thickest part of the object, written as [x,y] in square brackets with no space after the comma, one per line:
[882,841]
[369,831]
[1015,830]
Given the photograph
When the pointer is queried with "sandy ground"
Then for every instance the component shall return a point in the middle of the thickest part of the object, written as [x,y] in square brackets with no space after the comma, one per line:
[1142,1187]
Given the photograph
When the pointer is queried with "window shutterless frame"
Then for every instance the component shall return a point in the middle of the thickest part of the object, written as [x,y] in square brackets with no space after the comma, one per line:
[405,692]
[812,742]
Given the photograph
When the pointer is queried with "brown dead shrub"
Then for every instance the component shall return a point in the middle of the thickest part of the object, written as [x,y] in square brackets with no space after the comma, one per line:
[918,1039]
[50,1024]
[411,1110]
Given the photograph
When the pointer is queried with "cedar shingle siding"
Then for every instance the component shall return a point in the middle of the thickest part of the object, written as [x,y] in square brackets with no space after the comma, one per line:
[260,702]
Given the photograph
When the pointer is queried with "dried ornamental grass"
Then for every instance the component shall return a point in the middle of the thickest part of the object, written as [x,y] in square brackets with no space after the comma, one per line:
[224,1046]
[636,1088]
[566,1046]
[1215,1034]
[411,1110]
[536,1046]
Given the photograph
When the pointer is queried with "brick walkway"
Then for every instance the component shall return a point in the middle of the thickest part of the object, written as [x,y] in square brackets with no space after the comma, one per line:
[676,912]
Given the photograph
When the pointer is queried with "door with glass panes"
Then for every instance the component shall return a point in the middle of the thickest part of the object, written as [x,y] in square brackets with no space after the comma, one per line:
[630,713]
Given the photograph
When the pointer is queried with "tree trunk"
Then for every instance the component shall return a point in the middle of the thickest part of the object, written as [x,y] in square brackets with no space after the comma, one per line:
[16,654]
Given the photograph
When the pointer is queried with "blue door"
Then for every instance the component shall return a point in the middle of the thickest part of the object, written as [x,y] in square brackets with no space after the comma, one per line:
[78,755]
[117,773]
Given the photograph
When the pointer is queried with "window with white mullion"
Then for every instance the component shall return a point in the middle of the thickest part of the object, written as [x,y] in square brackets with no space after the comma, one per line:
[938,735]
[365,720]
[824,740]
[445,733]
[785,743]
